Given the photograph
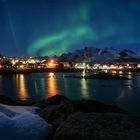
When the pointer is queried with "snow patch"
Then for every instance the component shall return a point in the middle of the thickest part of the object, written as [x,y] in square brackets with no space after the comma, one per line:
[21,123]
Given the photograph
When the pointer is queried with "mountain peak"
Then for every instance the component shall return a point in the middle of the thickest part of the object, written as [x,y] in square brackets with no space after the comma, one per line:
[92,54]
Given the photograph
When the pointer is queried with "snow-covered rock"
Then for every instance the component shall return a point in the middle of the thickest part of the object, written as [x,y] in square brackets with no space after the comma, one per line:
[21,123]
[92,54]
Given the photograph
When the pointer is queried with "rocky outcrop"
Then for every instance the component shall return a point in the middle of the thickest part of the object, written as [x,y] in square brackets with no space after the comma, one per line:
[99,126]
[57,99]
[88,106]
[55,110]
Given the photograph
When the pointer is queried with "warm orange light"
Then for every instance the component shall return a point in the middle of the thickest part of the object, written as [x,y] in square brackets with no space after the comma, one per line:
[51,74]
[21,66]
[138,66]
[21,87]
[120,72]
[120,67]
[0,66]
[51,61]
[51,64]
[52,85]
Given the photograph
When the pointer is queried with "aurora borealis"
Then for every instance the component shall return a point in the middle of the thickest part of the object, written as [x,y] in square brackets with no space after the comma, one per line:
[53,27]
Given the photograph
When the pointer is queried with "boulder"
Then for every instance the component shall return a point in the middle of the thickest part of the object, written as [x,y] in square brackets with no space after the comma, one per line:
[99,126]
[88,106]
[57,99]
[56,110]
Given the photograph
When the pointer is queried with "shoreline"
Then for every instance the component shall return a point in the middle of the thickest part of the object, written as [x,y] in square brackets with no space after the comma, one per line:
[30,71]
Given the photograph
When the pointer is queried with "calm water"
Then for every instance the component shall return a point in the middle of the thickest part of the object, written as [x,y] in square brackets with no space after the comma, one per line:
[125,94]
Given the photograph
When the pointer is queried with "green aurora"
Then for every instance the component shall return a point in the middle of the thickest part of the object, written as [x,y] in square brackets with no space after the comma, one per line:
[53,27]
[60,42]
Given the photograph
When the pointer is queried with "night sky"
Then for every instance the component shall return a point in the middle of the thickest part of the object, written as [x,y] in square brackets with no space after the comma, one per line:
[48,27]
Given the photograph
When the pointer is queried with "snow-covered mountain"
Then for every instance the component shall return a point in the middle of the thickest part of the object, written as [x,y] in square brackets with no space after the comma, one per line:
[90,54]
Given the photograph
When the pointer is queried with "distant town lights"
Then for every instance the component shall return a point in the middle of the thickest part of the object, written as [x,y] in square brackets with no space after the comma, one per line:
[21,66]
[51,61]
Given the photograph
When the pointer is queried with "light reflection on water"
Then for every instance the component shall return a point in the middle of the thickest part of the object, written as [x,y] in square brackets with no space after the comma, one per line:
[37,86]
[52,85]
[21,87]
[84,88]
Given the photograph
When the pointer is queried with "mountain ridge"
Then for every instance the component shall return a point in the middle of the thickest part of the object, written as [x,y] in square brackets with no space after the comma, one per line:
[90,54]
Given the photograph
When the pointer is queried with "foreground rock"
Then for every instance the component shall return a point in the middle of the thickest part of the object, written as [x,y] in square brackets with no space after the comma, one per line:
[57,99]
[88,106]
[55,109]
[99,126]
[97,121]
